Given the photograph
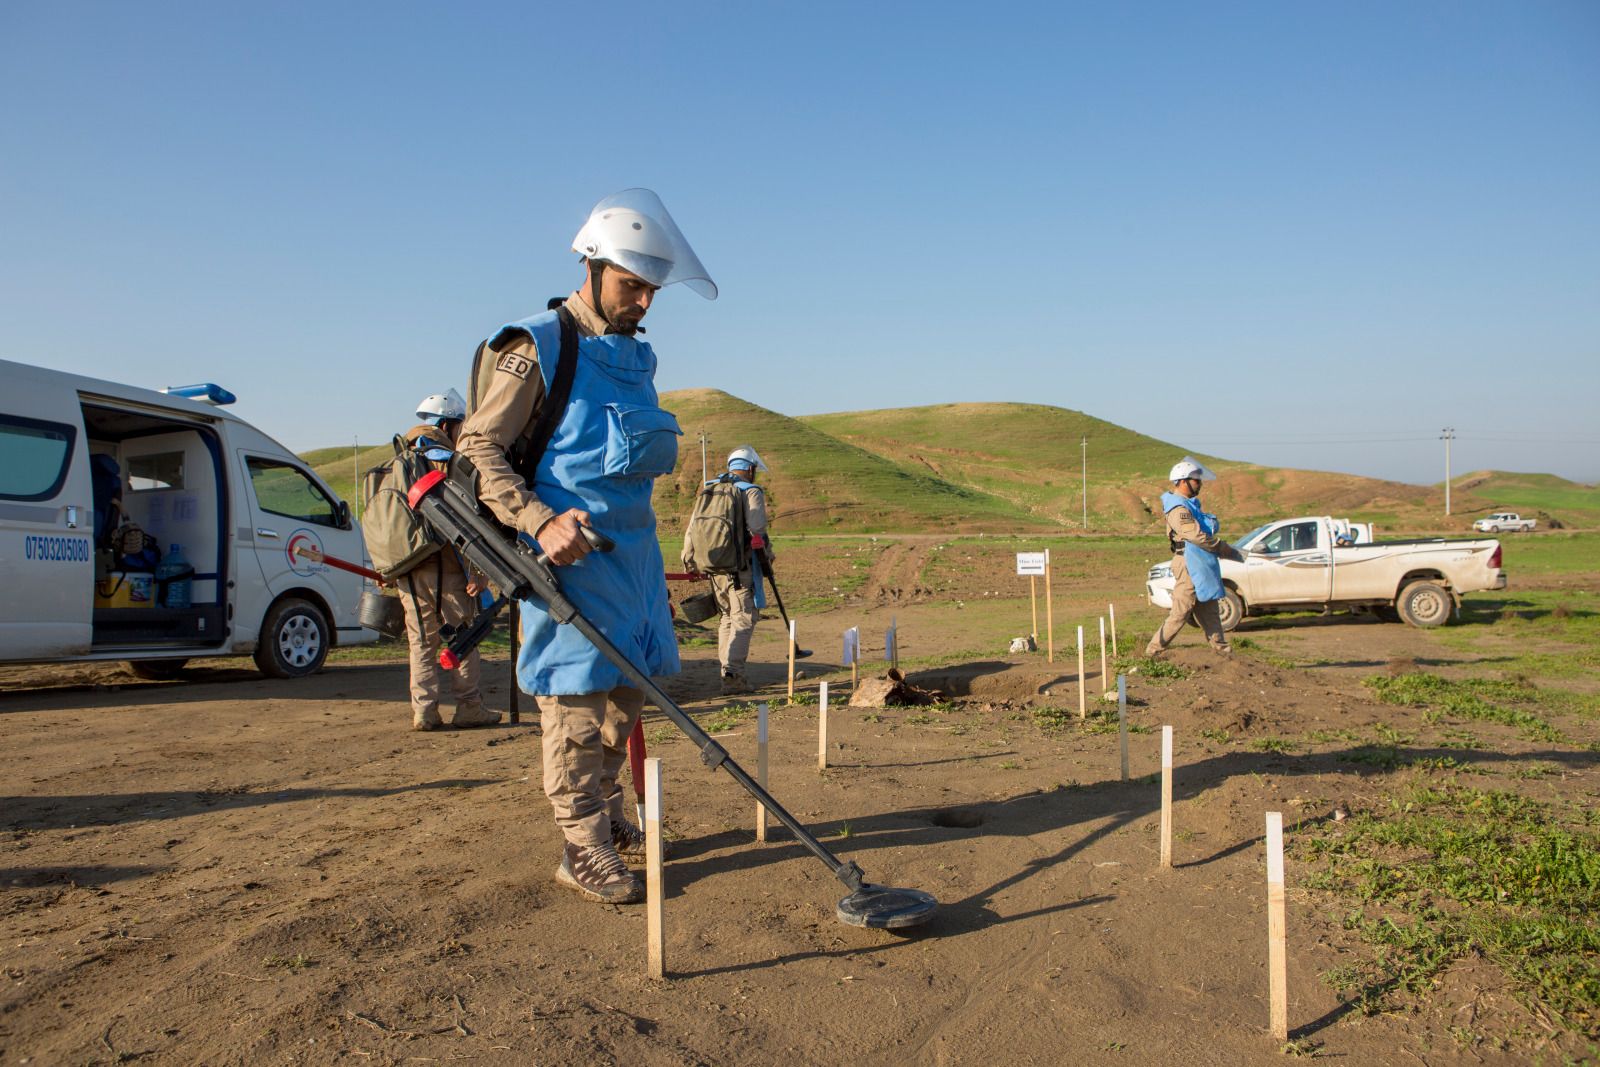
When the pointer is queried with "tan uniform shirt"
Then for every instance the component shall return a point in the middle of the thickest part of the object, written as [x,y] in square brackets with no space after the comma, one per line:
[1185,527]
[510,389]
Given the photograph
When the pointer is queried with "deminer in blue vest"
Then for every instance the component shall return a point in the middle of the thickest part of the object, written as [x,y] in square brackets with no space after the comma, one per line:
[1192,535]
[597,468]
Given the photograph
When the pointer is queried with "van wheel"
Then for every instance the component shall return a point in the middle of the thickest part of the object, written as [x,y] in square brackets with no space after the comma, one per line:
[294,640]
[157,670]
[1230,611]
[1424,604]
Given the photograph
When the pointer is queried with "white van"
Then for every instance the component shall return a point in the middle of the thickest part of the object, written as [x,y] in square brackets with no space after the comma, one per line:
[188,474]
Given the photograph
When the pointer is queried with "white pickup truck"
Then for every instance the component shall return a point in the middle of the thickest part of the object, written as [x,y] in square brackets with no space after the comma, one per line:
[1508,521]
[1313,563]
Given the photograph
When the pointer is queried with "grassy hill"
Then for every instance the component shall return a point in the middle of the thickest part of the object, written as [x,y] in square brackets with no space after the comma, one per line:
[1016,468]
[1030,454]
[1543,496]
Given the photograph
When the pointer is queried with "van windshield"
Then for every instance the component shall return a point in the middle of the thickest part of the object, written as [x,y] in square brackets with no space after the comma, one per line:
[285,490]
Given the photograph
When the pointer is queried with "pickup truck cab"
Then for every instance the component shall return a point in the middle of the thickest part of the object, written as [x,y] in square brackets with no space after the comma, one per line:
[1504,521]
[1314,562]
[185,472]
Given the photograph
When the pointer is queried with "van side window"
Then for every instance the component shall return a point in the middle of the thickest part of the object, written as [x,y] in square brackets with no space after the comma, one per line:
[285,490]
[36,456]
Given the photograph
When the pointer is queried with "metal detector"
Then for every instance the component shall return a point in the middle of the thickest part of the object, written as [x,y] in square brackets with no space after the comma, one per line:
[516,569]
[799,653]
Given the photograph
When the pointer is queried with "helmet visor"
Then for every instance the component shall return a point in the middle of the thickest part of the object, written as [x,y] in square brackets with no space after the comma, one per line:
[634,230]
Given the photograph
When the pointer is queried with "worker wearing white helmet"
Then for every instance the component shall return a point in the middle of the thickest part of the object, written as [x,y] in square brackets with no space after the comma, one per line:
[1192,536]
[438,592]
[727,539]
[566,424]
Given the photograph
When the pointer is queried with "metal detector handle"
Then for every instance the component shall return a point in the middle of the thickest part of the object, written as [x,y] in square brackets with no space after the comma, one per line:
[461,641]
[597,540]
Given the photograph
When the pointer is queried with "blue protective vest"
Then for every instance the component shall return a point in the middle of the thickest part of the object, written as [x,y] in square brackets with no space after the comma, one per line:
[1204,569]
[611,444]
[755,557]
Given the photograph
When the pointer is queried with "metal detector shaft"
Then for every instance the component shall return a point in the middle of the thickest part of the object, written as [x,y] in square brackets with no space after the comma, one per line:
[516,570]
[798,651]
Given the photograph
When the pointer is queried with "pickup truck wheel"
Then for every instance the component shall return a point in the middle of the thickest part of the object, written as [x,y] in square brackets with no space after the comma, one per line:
[294,640]
[1230,611]
[1424,604]
[1491,529]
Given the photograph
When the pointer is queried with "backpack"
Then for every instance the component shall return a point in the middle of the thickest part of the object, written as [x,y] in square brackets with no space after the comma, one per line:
[717,540]
[396,539]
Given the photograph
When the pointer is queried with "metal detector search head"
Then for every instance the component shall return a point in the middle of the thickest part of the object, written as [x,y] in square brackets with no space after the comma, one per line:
[881,907]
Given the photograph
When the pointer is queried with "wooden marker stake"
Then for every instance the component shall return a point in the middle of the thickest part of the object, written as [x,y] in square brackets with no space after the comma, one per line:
[1113,608]
[1105,680]
[822,728]
[1083,705]
[792,647]
[1122,720]
[1277,937]
[1033,602]
[761,768]
[654,883]
[1049,614]
[1166,797]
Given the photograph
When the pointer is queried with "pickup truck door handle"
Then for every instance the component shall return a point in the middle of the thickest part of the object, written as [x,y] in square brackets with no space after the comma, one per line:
[262,531]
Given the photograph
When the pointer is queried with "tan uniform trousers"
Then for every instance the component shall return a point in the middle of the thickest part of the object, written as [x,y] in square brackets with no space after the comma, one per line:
[738,606]
[1185,607]
[435,594]
[585,746]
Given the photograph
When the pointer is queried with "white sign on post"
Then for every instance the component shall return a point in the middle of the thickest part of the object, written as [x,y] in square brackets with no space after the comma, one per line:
[852,645]
[1033,563]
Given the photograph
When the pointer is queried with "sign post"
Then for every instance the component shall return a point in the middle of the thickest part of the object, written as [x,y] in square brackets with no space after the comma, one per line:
[1034,564]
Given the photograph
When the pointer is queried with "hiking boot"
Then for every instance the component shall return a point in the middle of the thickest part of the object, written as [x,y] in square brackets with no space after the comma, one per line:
[629,841]
[734,684]
[598,873]
[469,715]
[429,721]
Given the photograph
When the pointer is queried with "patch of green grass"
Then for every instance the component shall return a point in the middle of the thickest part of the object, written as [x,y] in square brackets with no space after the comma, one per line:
[1448,871]
[1256,650]
[1217,734]
[1472,698]
[1274,744]
[728,717]
[1323,737]
[1157,671]
[1010,765]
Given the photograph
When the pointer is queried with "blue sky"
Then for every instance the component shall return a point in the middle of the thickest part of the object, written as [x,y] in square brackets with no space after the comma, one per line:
[1307,235]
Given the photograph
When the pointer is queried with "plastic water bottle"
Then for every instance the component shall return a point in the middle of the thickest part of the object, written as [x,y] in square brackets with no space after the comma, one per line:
[179,590]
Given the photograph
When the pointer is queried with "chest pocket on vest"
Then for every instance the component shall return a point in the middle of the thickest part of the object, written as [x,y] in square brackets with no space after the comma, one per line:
[641,442]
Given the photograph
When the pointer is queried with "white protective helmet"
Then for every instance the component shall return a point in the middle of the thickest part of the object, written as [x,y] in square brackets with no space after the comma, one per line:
[745,457]
[442,407]
[633,230]
[1188,467]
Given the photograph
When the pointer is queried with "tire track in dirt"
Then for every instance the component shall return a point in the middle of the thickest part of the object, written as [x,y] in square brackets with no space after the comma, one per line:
[896,575]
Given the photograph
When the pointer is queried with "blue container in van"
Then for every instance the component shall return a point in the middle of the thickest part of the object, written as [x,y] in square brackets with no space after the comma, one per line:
[175,579]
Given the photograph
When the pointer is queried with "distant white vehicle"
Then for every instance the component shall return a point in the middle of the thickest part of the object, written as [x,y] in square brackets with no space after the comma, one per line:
[1507,521]
[187,473]
[1321,562]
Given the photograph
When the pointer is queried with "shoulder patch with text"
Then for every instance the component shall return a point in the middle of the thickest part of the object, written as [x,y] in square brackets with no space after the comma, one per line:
[511,363]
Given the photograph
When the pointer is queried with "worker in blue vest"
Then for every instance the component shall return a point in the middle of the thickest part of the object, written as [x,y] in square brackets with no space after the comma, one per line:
[596,466]
[1197,574]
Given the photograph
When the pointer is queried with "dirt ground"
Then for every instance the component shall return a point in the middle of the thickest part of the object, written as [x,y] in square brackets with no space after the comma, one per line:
[228,869]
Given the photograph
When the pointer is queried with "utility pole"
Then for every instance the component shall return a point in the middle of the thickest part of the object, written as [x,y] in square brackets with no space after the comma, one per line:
[1085,481]
[704,438]
[1447,436]
[355,469]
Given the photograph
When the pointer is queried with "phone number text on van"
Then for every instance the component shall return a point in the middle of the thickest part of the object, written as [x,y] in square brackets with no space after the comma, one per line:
[57,549]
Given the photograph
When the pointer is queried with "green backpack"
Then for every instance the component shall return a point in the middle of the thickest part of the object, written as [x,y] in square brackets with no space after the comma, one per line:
[717,537]
[396,539]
